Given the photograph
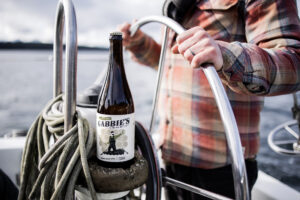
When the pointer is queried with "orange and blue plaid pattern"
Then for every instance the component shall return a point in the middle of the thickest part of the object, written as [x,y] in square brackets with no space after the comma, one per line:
[261,53]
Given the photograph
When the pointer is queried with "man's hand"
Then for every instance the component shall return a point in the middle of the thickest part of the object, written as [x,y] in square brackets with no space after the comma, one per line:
[128,40]
[198,48]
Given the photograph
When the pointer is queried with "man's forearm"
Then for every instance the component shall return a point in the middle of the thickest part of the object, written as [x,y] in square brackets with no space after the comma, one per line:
[146,52]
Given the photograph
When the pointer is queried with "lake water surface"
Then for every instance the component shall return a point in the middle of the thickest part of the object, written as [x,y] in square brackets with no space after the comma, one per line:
[26,86]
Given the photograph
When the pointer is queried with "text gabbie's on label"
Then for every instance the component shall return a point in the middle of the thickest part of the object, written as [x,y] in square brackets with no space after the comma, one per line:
[114,123]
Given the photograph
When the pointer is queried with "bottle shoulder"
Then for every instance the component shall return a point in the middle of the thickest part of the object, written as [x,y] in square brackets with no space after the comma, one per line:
[115,109]
[116,96]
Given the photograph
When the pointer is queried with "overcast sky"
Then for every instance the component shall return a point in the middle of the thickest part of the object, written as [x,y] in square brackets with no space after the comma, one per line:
[33,20]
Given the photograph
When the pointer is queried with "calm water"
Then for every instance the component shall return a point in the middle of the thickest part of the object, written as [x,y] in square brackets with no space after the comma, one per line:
[26,86]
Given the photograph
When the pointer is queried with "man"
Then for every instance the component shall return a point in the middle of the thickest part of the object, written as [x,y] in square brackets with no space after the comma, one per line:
[112,143]
[254,46]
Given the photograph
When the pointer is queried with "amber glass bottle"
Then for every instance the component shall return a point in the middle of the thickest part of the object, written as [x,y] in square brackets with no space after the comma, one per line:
[115,112]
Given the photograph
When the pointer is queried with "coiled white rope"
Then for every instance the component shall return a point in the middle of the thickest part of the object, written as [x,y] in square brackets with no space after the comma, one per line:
[50,172]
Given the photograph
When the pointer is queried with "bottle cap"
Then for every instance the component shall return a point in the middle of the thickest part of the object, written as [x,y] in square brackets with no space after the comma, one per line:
[117,33]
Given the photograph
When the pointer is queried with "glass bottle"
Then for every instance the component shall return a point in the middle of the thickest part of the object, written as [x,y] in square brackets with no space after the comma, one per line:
[115,112]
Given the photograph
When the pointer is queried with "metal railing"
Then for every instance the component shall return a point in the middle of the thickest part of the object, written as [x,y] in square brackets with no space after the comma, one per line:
[229,122]
[65,12]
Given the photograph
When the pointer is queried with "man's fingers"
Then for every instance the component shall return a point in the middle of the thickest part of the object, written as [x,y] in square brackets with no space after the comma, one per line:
[124,28]
[187,34]
[184,46]
[199,59]
[189,55]
[208,55]
[175,49]
[192,47]
[198,48]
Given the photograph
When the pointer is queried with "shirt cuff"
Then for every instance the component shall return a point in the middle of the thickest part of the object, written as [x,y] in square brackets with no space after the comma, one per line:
[237,71]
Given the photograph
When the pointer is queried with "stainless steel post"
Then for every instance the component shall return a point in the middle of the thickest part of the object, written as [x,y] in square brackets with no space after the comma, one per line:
[65,12]
[229,122]
[159,77]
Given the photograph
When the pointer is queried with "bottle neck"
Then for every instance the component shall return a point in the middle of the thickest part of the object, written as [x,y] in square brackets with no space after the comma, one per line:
[116,52]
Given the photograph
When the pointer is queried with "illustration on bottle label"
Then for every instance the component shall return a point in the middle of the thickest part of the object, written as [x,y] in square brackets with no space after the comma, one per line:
[115,137]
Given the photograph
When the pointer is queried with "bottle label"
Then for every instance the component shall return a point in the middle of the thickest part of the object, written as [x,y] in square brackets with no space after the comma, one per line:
[115,137]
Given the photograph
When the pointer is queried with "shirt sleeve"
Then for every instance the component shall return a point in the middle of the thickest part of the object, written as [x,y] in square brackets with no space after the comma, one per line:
[269,63]
[146,51]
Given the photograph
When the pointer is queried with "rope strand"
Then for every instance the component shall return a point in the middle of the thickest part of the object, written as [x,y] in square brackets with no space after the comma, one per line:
[50,171]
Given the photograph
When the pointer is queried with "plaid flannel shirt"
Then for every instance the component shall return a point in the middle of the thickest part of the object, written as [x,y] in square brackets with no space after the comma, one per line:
[260,49]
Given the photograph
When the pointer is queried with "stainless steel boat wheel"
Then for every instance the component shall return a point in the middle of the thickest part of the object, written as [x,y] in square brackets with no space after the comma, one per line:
[284,139]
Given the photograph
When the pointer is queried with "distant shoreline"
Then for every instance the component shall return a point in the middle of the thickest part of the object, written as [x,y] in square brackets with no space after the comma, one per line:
[40,46]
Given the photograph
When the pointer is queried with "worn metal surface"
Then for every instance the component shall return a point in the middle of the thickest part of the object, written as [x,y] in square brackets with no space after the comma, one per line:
[108,180]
